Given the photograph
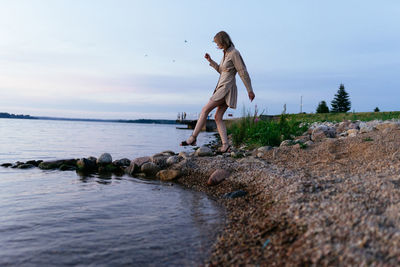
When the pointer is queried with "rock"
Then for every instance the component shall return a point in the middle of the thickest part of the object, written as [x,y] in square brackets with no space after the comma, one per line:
[286,143]
[26,166]
[104,159]
[352,132]
[65,167]
[160,160]
[150,168]
[235,194]
[132,168]
[140,161]
[122,162]
[107,168]
[236,154]
[168,175]
[264,149]
[366,127]
[51,165]
[6,165]
[218,176]
[309,143]
[296,146]
[260,155]
[204,151]
[183,154]
[86,165]
[322,132]
[172,160]
[168,153]
[34,162]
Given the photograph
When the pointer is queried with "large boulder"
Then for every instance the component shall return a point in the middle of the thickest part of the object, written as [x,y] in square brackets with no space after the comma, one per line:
[204,151]
[168,175]
[104,159]
[218,176]
[150,169]
[136,164]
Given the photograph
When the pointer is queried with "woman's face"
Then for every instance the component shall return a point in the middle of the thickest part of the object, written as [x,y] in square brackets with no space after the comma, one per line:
[220,46]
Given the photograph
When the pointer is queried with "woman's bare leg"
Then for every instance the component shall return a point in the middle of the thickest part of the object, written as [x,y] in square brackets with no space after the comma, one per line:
[221,125]
[203,117]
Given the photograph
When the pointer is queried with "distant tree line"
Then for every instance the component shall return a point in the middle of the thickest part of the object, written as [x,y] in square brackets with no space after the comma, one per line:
[13,116]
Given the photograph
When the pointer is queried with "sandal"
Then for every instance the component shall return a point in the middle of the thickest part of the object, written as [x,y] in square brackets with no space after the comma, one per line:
[224,150]
[186,143]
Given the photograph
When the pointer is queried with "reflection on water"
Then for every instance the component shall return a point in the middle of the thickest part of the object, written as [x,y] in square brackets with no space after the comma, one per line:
[58,218]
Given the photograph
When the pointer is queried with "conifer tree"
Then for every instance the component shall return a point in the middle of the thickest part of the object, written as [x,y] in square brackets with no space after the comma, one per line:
[341,102]
[322,107]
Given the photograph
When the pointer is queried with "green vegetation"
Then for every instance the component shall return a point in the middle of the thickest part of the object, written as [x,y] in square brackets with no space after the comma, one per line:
[253,132]
[341,102]
[322,107]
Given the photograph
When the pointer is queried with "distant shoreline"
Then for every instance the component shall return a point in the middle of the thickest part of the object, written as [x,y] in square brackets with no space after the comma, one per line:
[4,115]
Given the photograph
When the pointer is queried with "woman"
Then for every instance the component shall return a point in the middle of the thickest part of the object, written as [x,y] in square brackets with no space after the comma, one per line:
[225,94]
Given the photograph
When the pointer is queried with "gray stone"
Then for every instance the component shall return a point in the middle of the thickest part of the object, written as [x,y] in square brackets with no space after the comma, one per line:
[140,161]
[172,160]
[26,166]
[264,149]
[50,165]
[204,151]
[104,159]
[218,176]
[309,143]
[168,153]
[168,175]
[132,168]
[122,162]
[287,143]
[160,160]
[6,165]
[150,169]
[65,167]
[86,165]
[183,154]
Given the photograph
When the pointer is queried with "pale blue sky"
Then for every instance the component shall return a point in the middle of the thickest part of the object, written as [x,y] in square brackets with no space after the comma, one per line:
[129,59]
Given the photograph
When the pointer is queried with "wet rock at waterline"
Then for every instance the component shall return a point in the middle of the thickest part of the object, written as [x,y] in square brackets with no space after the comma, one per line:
[51,165]
[104,159]
[150,169]
[168,175]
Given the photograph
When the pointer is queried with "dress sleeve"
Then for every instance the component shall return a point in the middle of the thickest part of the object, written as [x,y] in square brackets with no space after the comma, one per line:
[241,69]
[214,65]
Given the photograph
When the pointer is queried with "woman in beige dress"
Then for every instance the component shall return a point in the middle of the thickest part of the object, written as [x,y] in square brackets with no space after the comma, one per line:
[225,93]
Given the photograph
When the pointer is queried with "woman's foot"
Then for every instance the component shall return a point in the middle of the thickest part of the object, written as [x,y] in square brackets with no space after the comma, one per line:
[191,141]
[224,148]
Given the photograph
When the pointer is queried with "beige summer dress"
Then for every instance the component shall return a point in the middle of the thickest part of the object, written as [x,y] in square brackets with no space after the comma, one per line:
[231,63]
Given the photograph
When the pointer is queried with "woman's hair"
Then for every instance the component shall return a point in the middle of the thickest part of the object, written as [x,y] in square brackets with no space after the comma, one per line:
[224,39]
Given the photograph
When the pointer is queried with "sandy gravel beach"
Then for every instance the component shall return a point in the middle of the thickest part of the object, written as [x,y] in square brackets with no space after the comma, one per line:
[335,202]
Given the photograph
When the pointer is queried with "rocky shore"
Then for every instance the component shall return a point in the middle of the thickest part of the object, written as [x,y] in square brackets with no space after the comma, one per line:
[328,197]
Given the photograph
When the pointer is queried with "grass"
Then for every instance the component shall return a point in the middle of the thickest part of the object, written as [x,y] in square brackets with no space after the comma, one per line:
[253,132]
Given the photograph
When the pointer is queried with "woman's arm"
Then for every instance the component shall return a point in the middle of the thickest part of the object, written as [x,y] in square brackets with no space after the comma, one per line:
[212,62]
[244,75]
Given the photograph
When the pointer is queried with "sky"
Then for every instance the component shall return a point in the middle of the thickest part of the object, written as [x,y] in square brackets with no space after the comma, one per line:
[145,59]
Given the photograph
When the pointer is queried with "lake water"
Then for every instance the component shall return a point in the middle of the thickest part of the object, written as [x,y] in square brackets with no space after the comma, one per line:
[54,218]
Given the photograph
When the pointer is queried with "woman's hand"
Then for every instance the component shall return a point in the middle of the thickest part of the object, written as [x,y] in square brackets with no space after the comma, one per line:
[251,96]
[207,56]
